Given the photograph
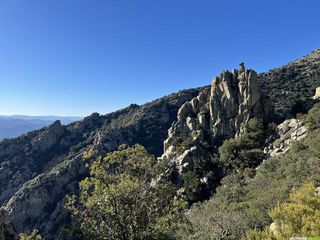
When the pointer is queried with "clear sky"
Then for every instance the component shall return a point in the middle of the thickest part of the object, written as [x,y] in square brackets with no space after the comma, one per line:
[75,57]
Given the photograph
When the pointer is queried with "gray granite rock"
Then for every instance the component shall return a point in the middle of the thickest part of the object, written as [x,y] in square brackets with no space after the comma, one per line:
[218,112]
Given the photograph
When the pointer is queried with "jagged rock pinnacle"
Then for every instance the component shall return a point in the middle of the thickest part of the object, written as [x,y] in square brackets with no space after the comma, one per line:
[242,68]
[219,112]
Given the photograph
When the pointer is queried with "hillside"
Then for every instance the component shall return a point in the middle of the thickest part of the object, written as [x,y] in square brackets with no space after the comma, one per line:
[292,86]
[244,200]
[39,168]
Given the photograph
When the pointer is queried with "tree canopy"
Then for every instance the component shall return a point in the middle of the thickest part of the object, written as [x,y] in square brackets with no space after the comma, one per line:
[124,198]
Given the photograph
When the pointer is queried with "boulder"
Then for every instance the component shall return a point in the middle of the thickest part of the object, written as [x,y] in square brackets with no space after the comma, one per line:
[289,131]
[48,138]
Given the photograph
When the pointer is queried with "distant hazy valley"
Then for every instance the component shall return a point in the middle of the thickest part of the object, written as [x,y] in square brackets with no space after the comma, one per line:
[16,125]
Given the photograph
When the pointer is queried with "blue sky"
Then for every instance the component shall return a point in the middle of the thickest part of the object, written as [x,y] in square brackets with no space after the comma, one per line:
[76,57]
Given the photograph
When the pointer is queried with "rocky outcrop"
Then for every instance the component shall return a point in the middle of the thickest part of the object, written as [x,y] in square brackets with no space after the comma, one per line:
[234,99]
[23,157]
[289,131]
[317,94]
[29,206]
[218,112]
[38,169]
[47,138]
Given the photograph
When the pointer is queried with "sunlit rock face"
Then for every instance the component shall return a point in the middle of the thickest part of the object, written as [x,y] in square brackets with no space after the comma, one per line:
[317,94]
[218,112]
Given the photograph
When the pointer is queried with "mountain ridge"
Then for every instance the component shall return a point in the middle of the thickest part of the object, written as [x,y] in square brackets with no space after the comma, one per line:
[53,155]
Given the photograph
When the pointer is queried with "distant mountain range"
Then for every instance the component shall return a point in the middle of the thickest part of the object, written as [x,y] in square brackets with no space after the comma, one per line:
[13,126]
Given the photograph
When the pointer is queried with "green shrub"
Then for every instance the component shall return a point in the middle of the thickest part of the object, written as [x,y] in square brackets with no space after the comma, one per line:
[246,150]
[299,216]
[122,200]
[313,118]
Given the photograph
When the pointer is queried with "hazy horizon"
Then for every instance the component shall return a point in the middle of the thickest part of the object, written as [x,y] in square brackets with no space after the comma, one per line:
[39,116]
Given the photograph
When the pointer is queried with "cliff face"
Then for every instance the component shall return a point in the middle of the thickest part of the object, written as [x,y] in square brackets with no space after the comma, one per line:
[38,169]
[217,113]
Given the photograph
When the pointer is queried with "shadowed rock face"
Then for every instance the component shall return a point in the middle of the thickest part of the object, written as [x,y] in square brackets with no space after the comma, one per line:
[217,113]
[38,169]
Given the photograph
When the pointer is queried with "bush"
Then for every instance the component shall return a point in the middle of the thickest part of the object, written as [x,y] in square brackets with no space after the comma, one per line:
[299,216]
[313,118]
[212,220]
[244,151]
[121,200]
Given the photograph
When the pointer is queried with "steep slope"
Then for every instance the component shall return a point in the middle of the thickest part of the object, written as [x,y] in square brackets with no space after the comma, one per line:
[242,202]
[218,113]
[223,111]
[38,169]
[292,86]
